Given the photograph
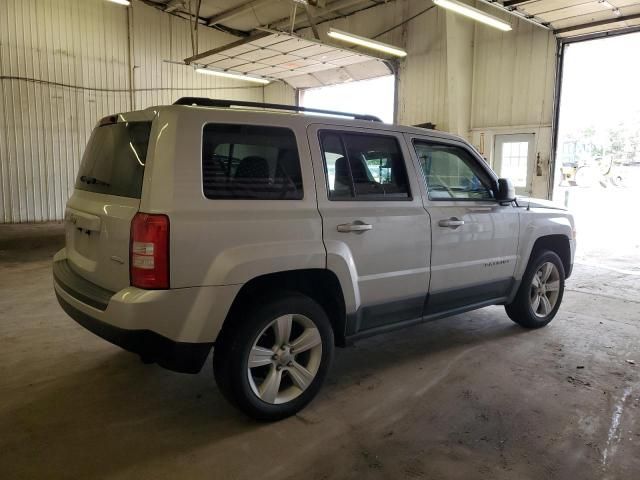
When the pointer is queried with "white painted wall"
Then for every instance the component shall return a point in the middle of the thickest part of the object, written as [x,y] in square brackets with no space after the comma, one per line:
[513,91]
[77,55]
[422,77]
[477,81]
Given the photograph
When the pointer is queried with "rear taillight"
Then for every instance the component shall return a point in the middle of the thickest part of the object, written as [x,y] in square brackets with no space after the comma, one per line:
[149,251]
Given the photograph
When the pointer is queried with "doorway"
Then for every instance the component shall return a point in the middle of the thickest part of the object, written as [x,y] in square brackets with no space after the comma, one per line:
[373,97]
[597,148]
[514,160]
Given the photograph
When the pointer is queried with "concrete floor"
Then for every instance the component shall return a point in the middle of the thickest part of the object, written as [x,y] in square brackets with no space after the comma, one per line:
[473,396]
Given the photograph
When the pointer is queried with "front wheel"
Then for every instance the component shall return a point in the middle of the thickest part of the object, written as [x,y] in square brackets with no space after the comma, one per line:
[540,293]
[273,358]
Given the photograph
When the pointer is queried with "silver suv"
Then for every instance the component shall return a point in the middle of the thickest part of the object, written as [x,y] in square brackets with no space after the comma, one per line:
[273,236]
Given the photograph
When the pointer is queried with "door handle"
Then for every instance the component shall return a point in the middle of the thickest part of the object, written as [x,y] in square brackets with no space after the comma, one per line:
[452,222]
[357,227]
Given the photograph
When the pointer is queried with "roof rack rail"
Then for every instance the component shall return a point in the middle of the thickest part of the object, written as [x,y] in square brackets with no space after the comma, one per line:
[214,102]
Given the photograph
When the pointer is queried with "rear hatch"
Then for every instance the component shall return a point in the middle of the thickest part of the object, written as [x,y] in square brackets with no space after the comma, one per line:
[106,198]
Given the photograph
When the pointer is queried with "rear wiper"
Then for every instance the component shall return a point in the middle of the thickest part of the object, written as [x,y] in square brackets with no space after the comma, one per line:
[93,181]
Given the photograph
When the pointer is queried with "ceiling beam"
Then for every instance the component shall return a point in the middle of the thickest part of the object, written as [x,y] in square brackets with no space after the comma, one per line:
[235,11]
[227,46]
[174,5]
[312,21]
[519,15]
[172,8]
[596,23]
[302,17]
[513,3]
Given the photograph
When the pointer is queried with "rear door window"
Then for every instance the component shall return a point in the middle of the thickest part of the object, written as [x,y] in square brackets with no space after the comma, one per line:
[250,162]
[364,167]
[113,162]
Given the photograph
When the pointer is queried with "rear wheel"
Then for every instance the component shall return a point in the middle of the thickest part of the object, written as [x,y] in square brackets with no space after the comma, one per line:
[273,358]
[540,293]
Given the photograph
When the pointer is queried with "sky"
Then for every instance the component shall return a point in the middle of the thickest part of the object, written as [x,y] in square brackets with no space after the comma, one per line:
[601,82]
[372,97]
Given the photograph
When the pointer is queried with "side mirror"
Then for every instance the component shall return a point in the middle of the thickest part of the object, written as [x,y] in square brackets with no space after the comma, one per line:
[506,192]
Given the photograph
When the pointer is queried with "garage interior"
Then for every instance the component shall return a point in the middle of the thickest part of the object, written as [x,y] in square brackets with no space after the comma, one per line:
[472,396]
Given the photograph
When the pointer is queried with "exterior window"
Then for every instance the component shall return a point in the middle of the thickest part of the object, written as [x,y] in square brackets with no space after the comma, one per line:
[364,167]
[451,173]
[250,162]
[514,161]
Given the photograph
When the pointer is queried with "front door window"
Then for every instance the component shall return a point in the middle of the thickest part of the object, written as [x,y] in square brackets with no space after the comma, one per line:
[451,173]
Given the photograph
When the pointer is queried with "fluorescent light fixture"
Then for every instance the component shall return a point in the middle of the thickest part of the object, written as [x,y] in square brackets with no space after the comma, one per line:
[126,3]
[366,42]
[235,76]
[473,13]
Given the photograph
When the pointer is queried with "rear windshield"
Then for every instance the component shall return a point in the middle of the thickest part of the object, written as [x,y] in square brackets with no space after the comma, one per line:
[113,162]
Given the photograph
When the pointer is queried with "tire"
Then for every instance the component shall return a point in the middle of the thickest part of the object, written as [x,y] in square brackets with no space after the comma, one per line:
[259,334]
[616,181]
[586,176]
[525,310]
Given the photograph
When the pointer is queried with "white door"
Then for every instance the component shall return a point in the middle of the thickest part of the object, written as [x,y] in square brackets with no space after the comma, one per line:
[514,159]
[474,237]
[373,222]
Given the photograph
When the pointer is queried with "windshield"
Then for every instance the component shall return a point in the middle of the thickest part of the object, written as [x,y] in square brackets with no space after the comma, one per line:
[113,162]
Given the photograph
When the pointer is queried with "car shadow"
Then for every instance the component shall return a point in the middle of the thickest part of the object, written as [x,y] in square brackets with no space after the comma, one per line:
[424,341]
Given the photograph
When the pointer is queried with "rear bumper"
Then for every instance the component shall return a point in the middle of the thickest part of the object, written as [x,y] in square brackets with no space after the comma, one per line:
[177,356]
[175,328]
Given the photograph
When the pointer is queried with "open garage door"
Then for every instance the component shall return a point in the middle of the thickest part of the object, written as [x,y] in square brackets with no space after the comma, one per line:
[597,173]
[355,97]
[300,62]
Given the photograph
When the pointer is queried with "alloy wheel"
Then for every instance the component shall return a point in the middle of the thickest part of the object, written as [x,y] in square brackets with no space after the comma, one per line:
[545,288]
[284,359]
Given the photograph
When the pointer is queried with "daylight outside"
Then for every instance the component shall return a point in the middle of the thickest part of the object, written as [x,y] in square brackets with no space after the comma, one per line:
[598,147]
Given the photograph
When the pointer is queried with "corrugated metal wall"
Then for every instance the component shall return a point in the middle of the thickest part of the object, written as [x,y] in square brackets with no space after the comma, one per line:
[43,126]
[513,92]
[512,84]
[280,92]
[513,73]
[63,65]
[422,82]
[513,76]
